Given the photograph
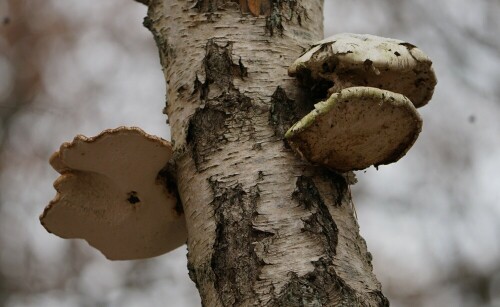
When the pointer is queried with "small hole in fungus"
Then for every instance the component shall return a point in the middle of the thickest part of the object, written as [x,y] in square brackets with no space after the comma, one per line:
[132,198]
[397,53]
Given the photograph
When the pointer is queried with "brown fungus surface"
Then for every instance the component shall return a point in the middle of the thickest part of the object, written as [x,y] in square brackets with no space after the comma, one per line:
[110,194]
[347,60]
[356,128]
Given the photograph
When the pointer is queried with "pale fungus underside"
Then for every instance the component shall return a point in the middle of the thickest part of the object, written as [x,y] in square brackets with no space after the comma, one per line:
[111,194]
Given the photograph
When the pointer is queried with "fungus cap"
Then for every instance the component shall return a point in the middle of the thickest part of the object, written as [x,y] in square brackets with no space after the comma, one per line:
[356,128]
[346,60]
[111,194]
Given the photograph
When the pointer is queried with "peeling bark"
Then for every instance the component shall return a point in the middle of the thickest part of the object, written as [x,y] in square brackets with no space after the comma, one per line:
[265,228]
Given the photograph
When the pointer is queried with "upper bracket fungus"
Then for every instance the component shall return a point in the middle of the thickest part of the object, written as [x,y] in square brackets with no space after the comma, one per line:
[347,60]
[371,87]
[111,194]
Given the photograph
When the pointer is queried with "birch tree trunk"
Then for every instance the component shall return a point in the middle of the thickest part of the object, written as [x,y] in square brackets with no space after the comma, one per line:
[265,228]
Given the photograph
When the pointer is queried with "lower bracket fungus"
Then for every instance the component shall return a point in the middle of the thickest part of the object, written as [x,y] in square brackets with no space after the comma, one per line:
[110,193]
[356,128]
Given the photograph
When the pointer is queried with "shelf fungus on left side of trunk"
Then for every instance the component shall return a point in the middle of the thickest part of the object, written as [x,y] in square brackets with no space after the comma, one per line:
[114,192]
[371,87]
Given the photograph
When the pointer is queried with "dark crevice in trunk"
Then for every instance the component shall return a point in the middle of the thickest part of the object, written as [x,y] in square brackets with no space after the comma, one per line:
[234,262]
[320,222]
[206,133]
[168,178]
[224,107]
[285,112]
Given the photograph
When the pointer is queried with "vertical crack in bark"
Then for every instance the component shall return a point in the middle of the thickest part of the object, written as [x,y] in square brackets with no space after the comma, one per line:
[234,262]
[340,184]
[309,289]
[285,112]
[168,178]
[206,132]
[320,222]
[223,119]
[323,286]
[220,71]
[219,67]
[225,109]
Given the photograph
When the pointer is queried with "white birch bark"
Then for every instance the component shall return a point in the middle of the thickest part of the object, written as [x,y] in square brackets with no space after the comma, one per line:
[265,228]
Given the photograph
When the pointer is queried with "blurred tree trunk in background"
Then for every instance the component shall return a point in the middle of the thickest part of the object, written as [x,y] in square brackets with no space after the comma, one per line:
[26,80]
[265,228]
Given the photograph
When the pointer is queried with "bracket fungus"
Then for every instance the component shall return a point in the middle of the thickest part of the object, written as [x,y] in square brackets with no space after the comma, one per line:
[112,193]
[356,128]
[347,60]
[371,87]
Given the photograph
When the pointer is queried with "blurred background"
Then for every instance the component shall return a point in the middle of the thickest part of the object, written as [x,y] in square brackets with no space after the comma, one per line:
[431,221]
